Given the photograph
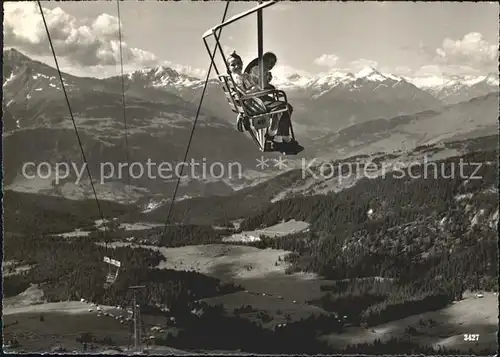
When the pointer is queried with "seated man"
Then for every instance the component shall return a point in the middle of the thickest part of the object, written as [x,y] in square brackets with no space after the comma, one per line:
[281,123]
[252,69]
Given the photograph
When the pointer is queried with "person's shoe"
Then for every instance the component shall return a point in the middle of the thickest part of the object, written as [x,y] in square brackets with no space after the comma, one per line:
[291,148]
[269,146]
[239,124]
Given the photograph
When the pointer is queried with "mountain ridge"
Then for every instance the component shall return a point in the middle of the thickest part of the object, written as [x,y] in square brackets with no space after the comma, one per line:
[382,114]
[432,83]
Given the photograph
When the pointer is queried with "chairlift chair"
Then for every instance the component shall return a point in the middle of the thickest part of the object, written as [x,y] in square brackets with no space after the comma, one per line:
[257,124]
[239,103]
[114,268]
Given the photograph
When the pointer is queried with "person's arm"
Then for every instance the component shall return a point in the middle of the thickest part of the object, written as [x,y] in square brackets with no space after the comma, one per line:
[269,77]
[243,85]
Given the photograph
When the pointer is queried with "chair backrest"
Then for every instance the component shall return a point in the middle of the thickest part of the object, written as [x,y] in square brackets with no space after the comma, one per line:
[232,94]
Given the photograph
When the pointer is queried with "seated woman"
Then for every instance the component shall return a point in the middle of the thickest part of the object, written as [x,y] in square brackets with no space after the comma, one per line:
[279,130]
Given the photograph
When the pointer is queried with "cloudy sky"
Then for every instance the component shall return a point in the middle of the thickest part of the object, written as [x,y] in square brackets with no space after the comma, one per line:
[411,39]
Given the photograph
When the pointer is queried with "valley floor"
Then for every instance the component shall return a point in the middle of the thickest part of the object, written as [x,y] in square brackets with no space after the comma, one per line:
[65,321]
[280,229]
[268,289]
[260,271]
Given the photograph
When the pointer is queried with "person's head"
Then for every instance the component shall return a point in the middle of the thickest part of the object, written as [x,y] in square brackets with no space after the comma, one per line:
[269,60]
[235,63]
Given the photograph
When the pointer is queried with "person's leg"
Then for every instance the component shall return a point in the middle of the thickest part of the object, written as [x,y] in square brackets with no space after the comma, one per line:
[284,127]
[273,105]
[273,128]
[288,130]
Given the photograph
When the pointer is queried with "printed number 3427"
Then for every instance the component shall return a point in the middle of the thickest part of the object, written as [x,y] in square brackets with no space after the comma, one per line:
[471,337]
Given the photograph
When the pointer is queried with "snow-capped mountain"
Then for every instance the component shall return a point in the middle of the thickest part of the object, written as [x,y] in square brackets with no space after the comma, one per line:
[328,101]
[169,79]
[325,81]
[454,89]
[27,85]
[449,89]
[333,100]
[37,128]
[161,77]
[339,99]
[332,85]
[156,81]
[342,108]
[366,80]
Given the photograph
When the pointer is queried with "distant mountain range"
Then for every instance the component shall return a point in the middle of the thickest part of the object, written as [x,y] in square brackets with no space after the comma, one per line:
[455,89]
[324,103]
[37,128]
[334,100]
[335,115]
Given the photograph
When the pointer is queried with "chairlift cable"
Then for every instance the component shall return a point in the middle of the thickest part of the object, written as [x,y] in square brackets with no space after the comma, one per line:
[194,124]
[106,233]
[71,112]
[123,99]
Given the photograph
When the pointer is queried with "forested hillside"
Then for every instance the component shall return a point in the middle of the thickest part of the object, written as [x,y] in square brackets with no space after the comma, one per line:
[432,238]
[42,214]
[395,246]
[70,270]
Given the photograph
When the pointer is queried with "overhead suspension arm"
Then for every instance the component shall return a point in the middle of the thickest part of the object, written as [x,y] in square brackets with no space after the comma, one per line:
[237,17]
[260,47]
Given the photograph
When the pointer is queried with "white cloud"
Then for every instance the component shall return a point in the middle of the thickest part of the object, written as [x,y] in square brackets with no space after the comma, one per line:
[85,44]
[449,70]
[97,71]
[89,47]
[336,64]
[401,70]
[327,60]
[470,55]
[472,50]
